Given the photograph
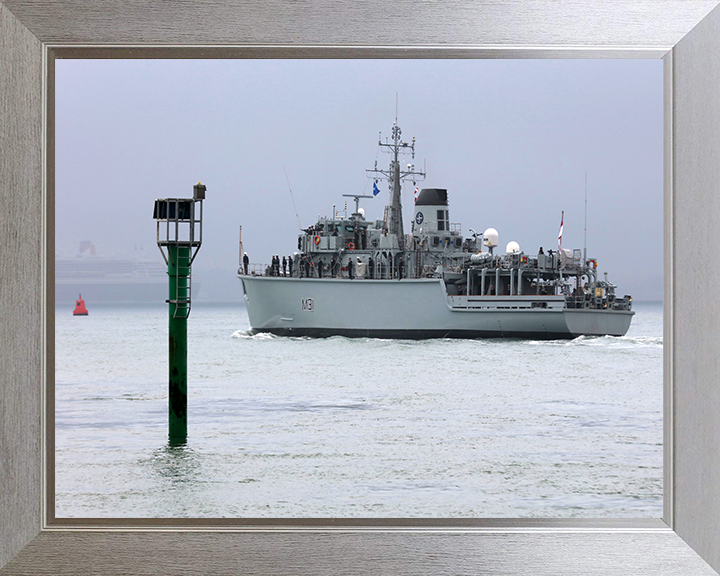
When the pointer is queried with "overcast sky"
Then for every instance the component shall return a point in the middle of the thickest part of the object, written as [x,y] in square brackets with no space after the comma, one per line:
[511,141]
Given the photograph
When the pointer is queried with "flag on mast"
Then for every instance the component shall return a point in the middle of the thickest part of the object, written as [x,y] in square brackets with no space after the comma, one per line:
[562,219]
[416,192]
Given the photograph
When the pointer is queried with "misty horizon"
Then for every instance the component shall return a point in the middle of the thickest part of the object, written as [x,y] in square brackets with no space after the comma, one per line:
[511,141]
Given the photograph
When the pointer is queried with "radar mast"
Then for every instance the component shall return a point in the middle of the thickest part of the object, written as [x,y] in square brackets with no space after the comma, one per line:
[394,175]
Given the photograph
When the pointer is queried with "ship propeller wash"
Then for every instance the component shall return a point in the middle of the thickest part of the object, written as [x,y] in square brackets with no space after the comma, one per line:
[360,278]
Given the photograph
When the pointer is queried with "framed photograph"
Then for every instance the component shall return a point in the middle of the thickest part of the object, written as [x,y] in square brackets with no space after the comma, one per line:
[481,407]
[684,34]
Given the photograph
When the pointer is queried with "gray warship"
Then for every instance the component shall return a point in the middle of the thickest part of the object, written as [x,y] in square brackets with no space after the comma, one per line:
[359,278]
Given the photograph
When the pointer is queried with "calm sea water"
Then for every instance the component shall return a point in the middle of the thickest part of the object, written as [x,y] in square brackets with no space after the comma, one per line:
[338,427]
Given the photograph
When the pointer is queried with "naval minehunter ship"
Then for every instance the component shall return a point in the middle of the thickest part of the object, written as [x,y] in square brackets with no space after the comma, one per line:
[354,277]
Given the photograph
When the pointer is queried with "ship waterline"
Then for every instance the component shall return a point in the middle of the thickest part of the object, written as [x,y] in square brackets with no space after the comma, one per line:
[414,309]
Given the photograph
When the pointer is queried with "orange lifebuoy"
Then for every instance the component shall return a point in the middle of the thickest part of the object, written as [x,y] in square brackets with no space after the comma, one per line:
[317,239]
[351,245]
[594,264]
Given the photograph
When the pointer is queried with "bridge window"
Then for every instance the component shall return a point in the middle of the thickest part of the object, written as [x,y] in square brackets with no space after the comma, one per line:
[442,220]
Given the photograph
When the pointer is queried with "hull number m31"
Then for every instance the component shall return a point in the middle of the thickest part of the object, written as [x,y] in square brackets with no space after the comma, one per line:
[307,304]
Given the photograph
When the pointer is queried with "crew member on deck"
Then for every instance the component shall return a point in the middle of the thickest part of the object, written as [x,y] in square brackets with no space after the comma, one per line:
[290,264]
[246,261]
[350,268]
[284,262]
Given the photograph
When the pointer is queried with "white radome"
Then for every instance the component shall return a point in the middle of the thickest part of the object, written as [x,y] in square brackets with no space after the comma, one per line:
[512,248]
[490,238]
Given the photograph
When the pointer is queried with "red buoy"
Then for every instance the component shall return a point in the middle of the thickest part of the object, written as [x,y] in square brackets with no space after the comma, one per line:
[80,309]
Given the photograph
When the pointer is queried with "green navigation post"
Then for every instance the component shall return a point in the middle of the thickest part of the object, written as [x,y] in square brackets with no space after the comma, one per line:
[179,300]
[179,236]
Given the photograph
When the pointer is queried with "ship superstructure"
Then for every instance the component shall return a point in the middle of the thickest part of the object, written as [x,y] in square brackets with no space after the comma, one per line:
[355,277]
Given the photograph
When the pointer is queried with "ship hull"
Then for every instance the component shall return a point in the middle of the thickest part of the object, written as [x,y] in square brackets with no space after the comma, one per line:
[414,309]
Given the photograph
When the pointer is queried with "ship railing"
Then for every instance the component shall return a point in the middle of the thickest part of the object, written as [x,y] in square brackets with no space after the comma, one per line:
[610,302]
[254,269]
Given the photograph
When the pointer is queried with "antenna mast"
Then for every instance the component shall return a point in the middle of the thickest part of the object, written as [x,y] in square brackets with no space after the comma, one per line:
[292,197]
[585,239]
[394,176]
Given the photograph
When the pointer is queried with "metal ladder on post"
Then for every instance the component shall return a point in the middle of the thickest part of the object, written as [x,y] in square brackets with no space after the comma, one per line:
[182,305]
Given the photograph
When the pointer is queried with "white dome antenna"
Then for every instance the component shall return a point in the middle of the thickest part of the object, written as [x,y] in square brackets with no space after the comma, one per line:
[512,248]
[490,238]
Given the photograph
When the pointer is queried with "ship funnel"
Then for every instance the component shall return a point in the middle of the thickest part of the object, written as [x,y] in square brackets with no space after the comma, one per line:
[512,248]
[490,238]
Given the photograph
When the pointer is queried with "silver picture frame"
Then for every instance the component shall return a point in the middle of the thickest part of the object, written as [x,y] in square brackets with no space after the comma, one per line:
[684,33]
